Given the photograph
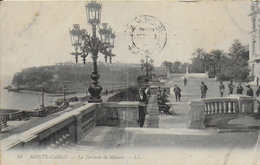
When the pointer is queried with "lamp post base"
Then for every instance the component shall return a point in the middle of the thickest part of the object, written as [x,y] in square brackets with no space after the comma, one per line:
[95,91]
[95,100]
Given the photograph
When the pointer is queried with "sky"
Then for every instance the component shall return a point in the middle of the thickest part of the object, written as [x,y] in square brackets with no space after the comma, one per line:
[37,33]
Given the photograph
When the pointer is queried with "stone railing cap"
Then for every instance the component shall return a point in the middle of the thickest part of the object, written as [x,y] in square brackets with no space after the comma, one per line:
[198,101]
[128,103]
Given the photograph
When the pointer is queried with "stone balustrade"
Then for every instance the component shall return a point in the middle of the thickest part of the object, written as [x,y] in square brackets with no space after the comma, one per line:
[203,111]
[70,127]
[221,106]
[23,114]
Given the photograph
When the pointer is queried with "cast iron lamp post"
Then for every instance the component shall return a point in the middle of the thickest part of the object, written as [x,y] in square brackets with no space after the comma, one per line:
[64,93]
[149,68]
[92,44]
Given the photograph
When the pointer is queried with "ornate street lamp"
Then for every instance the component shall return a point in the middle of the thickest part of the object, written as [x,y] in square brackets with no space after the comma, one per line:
[149,68]
[64,93]
[92,44]
[43,97]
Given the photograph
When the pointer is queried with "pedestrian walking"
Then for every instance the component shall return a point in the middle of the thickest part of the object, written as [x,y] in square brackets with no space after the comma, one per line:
[177,92]
[185,81]
[231,87]
[142,98]
[249,92]
[239,89]
[221,89]
[257,81]
[203,89]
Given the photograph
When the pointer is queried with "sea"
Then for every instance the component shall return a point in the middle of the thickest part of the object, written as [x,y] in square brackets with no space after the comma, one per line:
[25,101]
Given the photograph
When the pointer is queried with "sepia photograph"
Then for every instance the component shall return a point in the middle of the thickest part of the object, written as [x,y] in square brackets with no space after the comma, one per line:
[130,82]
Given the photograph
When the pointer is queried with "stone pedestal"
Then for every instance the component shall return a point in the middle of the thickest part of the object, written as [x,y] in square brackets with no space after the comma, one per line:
[128,114]
[246,104]
[196,114]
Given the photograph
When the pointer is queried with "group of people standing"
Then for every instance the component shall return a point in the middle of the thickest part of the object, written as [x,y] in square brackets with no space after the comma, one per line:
[239,89]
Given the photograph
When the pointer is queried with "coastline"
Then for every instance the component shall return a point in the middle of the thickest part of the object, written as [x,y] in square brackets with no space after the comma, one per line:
[40,93]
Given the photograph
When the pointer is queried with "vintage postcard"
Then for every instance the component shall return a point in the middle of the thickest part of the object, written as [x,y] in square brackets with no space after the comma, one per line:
[130,82]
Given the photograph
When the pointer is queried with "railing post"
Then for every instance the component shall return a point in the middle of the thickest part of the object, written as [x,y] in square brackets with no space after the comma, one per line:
[196,114]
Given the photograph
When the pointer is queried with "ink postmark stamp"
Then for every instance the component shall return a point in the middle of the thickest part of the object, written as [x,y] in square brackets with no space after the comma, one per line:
[148,35]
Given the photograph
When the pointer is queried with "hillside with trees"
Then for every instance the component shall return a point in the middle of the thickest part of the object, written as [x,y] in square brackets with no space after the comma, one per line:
[76,77]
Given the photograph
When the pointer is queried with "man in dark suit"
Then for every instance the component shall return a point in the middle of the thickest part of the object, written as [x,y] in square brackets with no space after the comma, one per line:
[142,98]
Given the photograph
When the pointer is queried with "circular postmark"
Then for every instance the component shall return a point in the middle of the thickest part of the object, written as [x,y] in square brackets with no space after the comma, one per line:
[148,35]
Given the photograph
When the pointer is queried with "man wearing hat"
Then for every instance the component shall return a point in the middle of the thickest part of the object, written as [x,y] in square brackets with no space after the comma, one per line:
[239,89]
[249,92]
[221,88]
[177,92]
[142,98]
[231,87]
[203,89]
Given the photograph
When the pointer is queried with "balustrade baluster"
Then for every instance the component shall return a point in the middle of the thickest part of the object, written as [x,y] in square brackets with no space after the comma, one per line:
[210,108]
[232,107]
[214,107]
[217,107]
[222,107]
[206,109]
[236,107]
[226,107]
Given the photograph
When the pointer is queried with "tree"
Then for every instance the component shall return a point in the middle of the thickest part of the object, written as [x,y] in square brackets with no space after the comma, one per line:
[216,60]
[198,53]
[176,67]
[168,66]
[236,66]
[197,60]
[239,54]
